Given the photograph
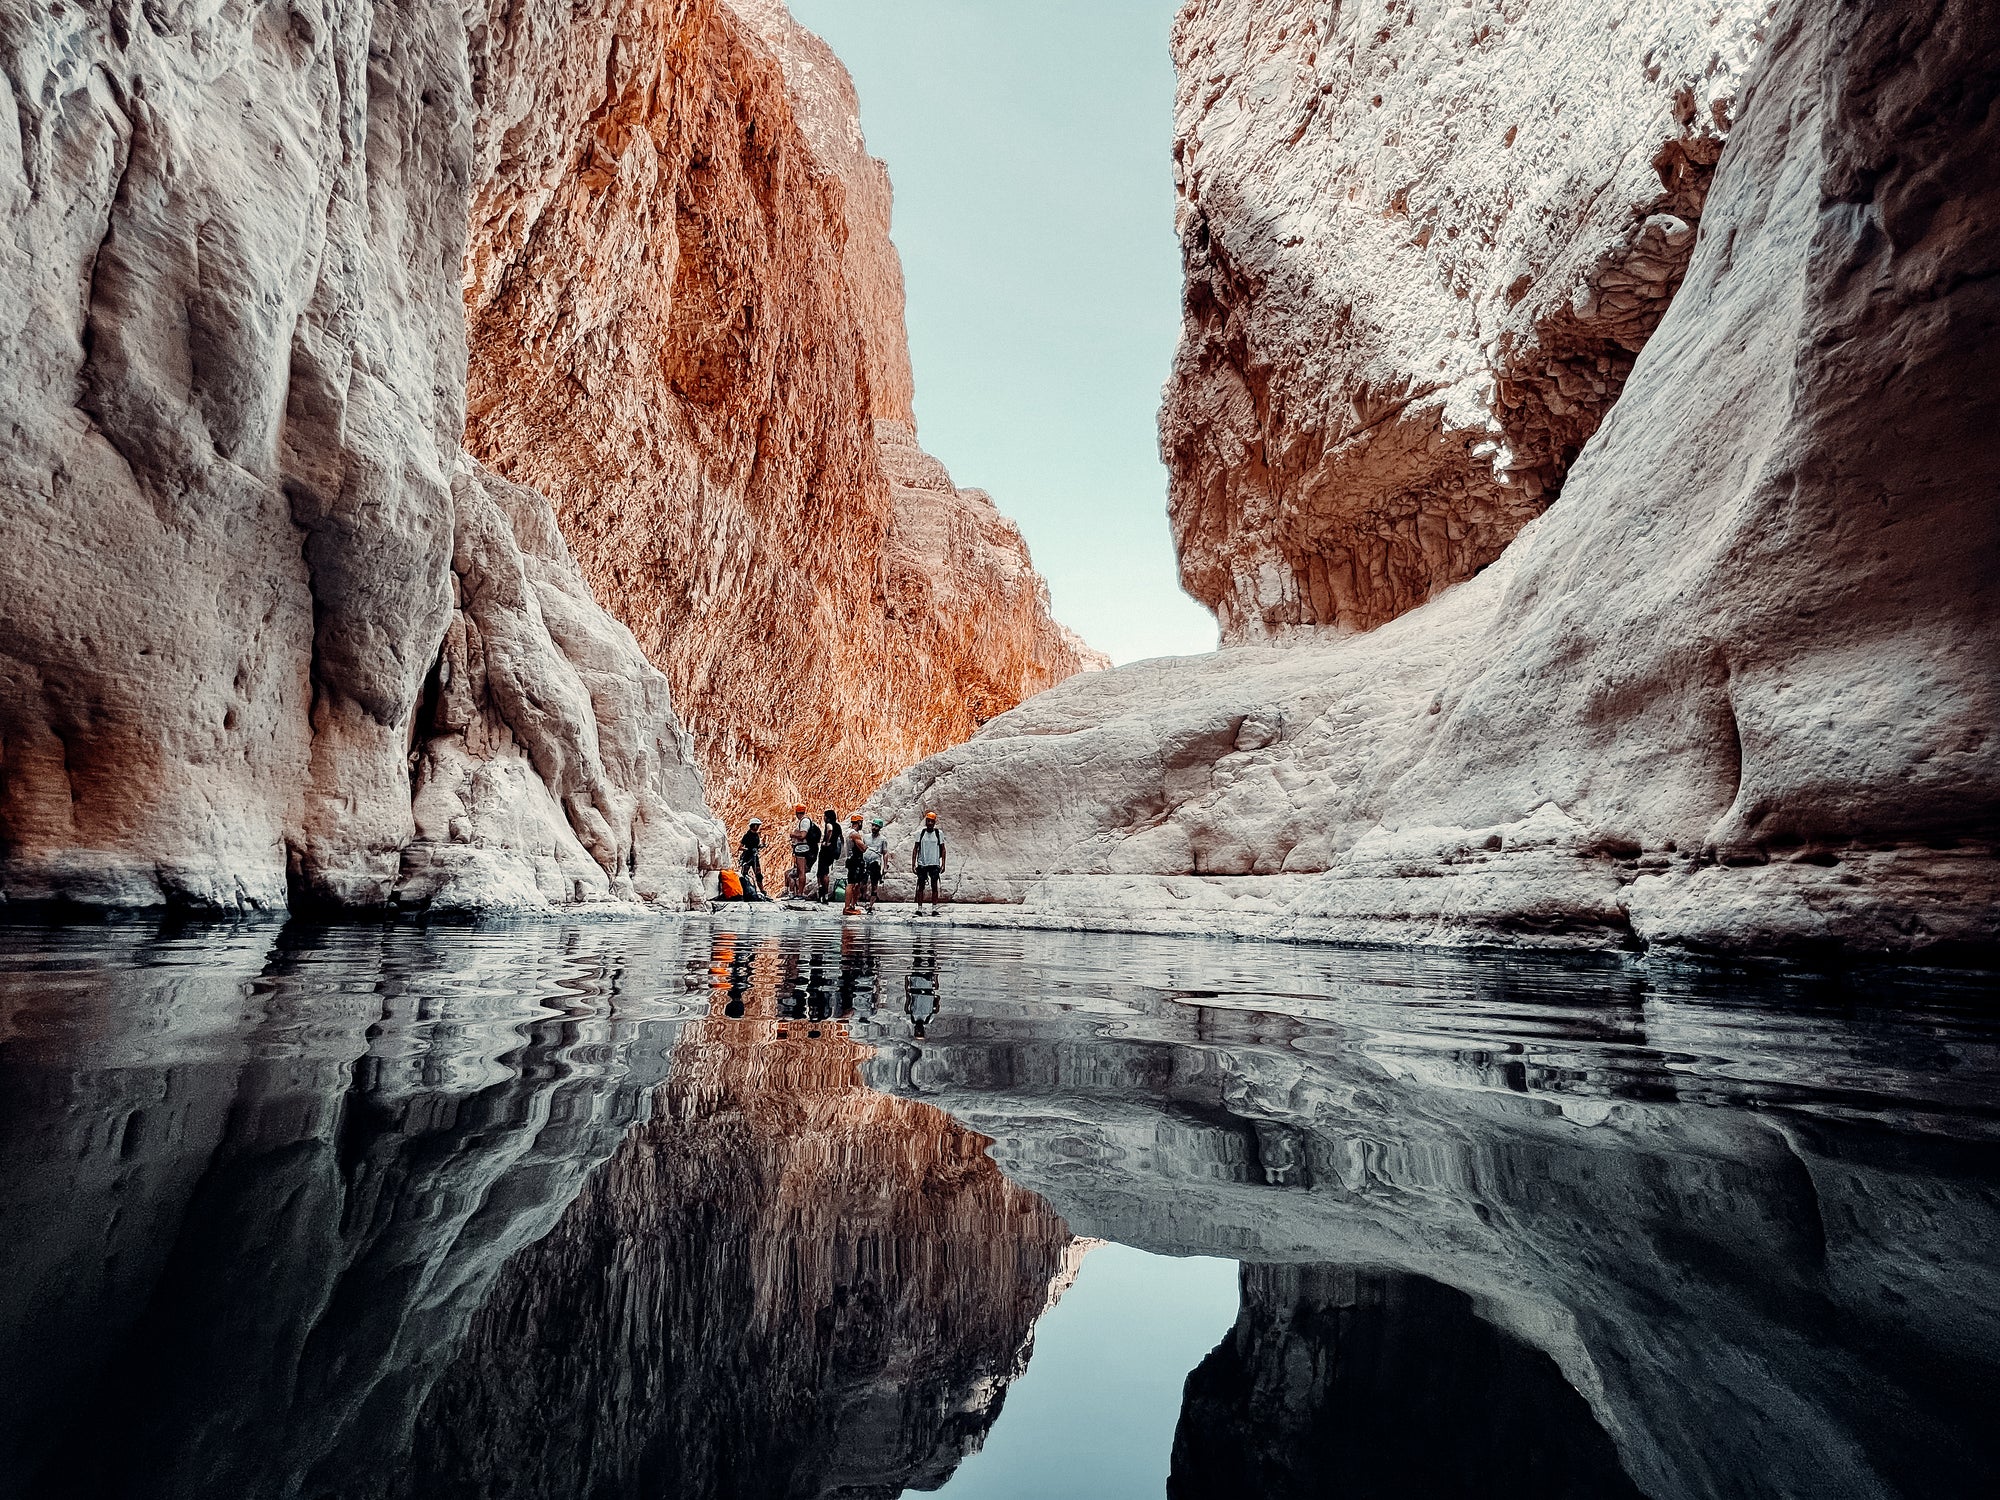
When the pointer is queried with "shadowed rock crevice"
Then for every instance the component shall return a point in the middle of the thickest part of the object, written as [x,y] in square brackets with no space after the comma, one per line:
[1373,1384]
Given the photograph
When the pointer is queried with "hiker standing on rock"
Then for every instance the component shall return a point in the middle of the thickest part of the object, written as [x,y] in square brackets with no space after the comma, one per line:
[856,845]
[750,855]
[829,851]
[877,860]
[805,849]
[927,859]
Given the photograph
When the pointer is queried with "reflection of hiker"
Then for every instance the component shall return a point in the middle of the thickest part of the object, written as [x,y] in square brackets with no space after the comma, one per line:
[791,994]
[857,984]
[805,849]
[927,859]
[920,992]
[875,860]
[829,851]
[819,989]
[750,857]
[742,969]
[856,847]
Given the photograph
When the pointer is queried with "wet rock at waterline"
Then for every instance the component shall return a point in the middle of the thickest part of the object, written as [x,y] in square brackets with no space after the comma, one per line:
[1735,691]
[265,633]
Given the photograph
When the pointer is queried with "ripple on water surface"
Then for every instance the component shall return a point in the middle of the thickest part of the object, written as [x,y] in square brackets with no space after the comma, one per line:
[777,1206]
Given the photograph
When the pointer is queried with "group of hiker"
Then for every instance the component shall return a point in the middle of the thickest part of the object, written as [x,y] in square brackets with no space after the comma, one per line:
[818,846]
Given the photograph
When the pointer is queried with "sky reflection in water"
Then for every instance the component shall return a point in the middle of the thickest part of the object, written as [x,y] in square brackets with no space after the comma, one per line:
[641,1208]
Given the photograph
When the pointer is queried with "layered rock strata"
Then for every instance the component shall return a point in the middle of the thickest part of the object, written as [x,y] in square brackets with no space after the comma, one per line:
[1424,242]
[265,634]
[687,330]
[1736,691]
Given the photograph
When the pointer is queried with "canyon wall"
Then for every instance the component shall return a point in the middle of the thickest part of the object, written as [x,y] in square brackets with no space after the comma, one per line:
[266,633]
[306,309]
[1735,690]
[1423,243]
[686,329]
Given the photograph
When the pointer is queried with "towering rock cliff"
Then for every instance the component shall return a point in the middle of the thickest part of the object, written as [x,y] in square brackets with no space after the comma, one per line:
[1424,243]
[1736,689]
[687,330]
[266,633]
[280,619]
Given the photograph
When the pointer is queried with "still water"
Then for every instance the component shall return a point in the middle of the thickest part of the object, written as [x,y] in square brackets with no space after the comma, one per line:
[684,1209]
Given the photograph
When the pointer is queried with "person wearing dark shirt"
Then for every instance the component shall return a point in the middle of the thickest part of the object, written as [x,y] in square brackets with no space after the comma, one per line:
[829,851]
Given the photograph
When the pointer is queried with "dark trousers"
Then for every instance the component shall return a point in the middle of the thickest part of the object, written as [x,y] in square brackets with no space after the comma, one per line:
[928,875]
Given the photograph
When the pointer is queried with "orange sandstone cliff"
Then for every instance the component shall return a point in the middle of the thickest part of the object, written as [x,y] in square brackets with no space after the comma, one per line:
[686,329]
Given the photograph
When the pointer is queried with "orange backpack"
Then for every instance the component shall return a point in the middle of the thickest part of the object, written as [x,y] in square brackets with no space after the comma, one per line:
[730,885]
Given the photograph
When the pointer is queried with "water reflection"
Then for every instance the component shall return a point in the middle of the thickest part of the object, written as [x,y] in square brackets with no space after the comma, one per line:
[636,1209]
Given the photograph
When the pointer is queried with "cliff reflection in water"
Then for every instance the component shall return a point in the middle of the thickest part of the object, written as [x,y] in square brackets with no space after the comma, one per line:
[522,1212]
[784,1284]
[650,1209]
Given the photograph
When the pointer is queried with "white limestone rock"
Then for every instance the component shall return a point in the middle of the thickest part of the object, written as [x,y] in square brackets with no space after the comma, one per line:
[232,376]
[1736,691]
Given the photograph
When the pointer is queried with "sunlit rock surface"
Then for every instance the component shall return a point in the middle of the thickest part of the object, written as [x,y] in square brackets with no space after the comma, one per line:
[1735,691]
[687,330]
[1424,241]
[238,537]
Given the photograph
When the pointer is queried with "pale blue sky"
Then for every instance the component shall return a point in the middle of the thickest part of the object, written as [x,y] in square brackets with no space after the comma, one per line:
[1031,146]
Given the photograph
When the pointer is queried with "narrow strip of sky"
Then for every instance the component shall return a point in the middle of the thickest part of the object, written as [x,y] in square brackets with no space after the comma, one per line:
[1031,142]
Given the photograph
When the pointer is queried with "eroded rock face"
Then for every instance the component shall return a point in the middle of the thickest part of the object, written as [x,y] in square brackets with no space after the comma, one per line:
[1424,241]
[1735,691]
[237,522]
[687,330]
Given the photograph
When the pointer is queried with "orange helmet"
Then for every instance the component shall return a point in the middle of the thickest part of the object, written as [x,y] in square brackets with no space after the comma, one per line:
[798,807]
[930,817]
